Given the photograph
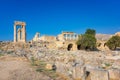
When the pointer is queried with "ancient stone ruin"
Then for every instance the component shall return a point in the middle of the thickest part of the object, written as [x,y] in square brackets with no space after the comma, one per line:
[62,55]
[19,33]
[65,40]
[36,37]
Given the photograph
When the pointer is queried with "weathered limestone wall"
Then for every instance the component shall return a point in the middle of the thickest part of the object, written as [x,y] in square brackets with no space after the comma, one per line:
[60,37]
[59,42]
[36,37]
[102,46]
[48,38]
[62,45]
[118,33]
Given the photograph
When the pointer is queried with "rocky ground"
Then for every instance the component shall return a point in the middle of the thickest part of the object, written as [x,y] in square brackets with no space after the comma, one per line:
[99,65]
[58,64]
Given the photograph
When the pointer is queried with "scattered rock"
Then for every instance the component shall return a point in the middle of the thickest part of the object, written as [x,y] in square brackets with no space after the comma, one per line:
[114,74]
[49,66]
[116,64]
[97,74]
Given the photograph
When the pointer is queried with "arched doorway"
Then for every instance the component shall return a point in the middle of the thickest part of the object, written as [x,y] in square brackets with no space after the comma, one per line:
[87,48]
[78,47]
[69,48]
[104,44]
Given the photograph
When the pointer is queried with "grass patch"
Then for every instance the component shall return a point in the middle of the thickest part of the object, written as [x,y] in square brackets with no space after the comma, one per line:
[107,64]
[1,54]
[33,61]
[52,74]
[37,63]
[10,52]
[40,65]
[41,68]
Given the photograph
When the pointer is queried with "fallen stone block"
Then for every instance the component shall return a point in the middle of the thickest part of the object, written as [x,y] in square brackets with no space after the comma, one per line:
[97,74]
[114,74]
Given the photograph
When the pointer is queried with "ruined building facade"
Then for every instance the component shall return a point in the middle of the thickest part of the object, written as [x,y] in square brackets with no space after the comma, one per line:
[36,37]
[19,33]
[65,40]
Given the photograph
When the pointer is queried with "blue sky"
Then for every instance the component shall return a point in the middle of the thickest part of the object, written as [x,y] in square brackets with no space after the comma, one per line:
[53,16]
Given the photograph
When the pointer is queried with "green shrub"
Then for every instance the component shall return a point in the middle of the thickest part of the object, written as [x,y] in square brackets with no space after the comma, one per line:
[87,41]
[10,52]
[107,64]
[113,42]
[90,32]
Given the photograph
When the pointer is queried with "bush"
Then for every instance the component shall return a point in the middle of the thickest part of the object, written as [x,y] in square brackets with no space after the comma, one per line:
[87,41]
[90,32]
[113,42]
[10,52]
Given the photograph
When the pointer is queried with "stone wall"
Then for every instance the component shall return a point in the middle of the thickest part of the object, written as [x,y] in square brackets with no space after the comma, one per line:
[48,38]
[36,37]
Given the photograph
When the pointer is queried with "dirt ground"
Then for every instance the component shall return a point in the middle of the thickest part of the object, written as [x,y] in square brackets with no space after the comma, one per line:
[18,68]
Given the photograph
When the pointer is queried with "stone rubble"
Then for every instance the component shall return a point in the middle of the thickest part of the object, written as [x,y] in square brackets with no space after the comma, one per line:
[95,65]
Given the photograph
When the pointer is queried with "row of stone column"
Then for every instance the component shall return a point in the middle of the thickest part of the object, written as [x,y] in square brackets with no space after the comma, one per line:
[70,36]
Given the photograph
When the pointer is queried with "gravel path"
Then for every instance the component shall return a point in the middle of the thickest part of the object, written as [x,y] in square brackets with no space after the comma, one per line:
[12,68]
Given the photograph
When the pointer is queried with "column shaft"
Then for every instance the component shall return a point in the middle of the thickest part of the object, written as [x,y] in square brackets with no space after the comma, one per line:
[23,34]
[19,35]
[15,34]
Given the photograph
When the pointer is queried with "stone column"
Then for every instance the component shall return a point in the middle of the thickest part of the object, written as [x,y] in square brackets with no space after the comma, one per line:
[66,36]
[15,34]
[74,37]
[23,34]
[19,35]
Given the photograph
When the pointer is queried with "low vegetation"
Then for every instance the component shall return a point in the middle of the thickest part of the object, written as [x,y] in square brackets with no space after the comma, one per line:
[40,67]
[87,41]
[1,55]
[10,52]
[113,42]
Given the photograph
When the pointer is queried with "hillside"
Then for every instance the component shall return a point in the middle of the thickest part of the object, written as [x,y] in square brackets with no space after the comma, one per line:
[103,37]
